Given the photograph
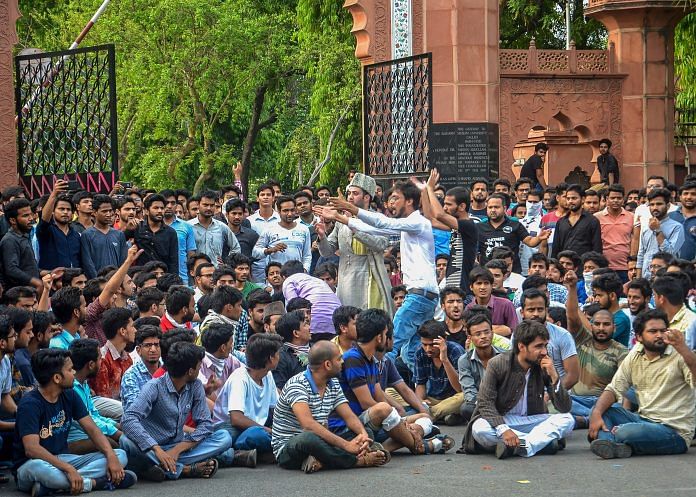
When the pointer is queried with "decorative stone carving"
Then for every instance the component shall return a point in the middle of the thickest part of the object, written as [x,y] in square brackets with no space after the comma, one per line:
[401,28]
[9,13]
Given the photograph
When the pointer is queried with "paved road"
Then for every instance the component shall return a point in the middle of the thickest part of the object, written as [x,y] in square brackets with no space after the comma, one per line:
[574,472]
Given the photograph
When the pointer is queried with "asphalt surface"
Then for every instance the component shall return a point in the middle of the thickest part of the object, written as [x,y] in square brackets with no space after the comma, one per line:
[573,472]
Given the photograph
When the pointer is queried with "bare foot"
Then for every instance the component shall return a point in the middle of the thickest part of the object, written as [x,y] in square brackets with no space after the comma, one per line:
[311,465]
[375,458]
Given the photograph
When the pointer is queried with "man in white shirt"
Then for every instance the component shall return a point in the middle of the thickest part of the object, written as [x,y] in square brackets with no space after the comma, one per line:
[260,220]
[417,259]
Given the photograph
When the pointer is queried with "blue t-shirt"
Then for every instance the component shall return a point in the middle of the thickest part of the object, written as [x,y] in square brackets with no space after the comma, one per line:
[622,328]
[358,370]
[436,380]
[50,421]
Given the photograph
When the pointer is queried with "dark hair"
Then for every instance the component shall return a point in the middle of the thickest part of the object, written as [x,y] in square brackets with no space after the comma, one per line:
[450,289]
[689,185]
[577,189]
[609,283]
[477,309]
[528,331]
[462,195]
[643,317]
[478,318]
[224,295]
[91,291]
[669,287]
[147,297]
[147,331]
[591,193]
[239,259]
[100,199]
[260,348]
[533,293]
[155,197]
[534,281]
[115,319]
[595,257]
[272,264]
[660,192]
[290,268]
[432,329]
[64,302]
[230,188]
[409,191]
[5,327]
[666,257]
[605,141]
[370,323]
[41,321]
[303,194]
[540,146]
[47,362]
[64,197]
[80,196]
[616,188]
[296,303]
[168,281]
[283,199]
[212,195]
[522,181]
[480,273]
[326,268]
[175,336]
[223,270]
[502,197]
[216,335]
[18,317]
[497,264]
[121,202]
[289,323]
[83,351]
[396,289]
[196,256]
[146,321]
[70,274]
[342,316]
[661,178]
[178,298]
[235,203]
[203,266]
[13,207]
[502,253]
[502,181]
[150,266]
[15,293]
[572,255]
[539,257]
[182,357]
[558,314]
[140,278]
[258,297]
[641,284]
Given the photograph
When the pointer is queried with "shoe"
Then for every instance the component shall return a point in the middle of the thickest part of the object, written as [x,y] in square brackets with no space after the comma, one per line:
[580,423]
[38,490]
[129,479]
[244,458]
[502,451]
[561,443]
[453,420]
[266,458]
[153,473]
[551,448]
[606,449]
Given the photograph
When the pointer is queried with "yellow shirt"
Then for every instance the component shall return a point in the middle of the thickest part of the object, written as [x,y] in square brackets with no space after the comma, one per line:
[682,319]
[338,344]
[663,388]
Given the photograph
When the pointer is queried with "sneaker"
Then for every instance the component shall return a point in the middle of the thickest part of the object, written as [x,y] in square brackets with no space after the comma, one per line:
[606,449]
[38,490]
[453,420]
[153,473]
[502,451]
[129,479]
[244,458]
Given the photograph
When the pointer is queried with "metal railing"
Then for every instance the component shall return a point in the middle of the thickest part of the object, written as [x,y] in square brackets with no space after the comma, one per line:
[685,126]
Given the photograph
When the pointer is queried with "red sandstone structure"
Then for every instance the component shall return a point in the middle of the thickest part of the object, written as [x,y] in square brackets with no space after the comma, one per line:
[568,98]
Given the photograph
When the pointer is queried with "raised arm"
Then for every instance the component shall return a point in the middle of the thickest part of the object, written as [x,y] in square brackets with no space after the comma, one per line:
[430,205]
[576,319]
[116,280]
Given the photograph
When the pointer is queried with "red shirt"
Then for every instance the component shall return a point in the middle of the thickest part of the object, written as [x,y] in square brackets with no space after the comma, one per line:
[108,380]
[166,324]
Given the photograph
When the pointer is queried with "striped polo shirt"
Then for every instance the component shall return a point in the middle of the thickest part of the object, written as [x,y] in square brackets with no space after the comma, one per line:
[358,370]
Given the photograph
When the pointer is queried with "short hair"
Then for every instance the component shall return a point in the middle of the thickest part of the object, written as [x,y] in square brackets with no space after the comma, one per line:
[666,257]
[64,197]
[146,321]
[140,278]
[609,283]
[409,191]
[13,207]
[150,266]
[282,199]
[203,266]
[174,336]
[83,351]
[80,196]
[235,203]
[605,141]
[193,258]
[442,256]
[577,189]
[558,314]
[642,319]
[450,289]
[12,191]
[640,284]
[616,188]
[478,318]
[522,181]
[595,257]
[238,259]
[497,264]
[480,273]
[296,303]
[114,319]
[147,297]
[660,192]
[92,290]
[480,180]
[272,264]
[70,274]
[5,327]
[64,302]
[462,195]
[182,357]
[432,329]
[539,257]
[18,317]
[167,281]
[540,146]
[572,255]
[260,348]
[222,270]
[661,178]
[370,323]
[155,197]
[504,199]
[669,287]
[303,194]
[477,309]
[212,195]
[502,253]
[178,298]
[258,297]
[396,289]
[689,185]
[591,193]
[343,315]
[326,268]
[534,281]
[528,331]
[216,335]
[147,331]
[265,186]
[42,320]
[503,182]
[120,203]
[15,293]
[289,323]
[533,293]
[190,200]
[290,268]
[99,200]
[224,295]
[47,362]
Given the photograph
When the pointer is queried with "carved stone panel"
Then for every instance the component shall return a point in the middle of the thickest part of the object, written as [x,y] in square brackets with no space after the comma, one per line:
[9,13]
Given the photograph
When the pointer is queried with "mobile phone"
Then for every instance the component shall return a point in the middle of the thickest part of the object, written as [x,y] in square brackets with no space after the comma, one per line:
[74,185]
[126,184]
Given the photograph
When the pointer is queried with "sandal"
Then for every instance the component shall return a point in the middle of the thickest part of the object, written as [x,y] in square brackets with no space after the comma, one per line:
[447,444]
[203,469]
[311,465]
[378,447]
[369,460]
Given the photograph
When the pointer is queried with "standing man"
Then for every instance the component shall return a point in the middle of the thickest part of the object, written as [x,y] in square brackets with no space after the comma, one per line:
[662,234]
[102,245]
[417,260]
[479,195]
[533,168]
[82,201]
[213,237]
[579,231]
[260,220]
[642,215]
[361,264]
[523,187]
[59,243]
[158,241]
[246,236]
[184,231]
[607,164]
[286,240]
[19,267]
[686,215]
[616,225]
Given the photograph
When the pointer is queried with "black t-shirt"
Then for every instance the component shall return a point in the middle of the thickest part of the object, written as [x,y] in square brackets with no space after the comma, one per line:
[479,214]
[37,416]
[463,246]
[530,167]
[608,164]
[509,234]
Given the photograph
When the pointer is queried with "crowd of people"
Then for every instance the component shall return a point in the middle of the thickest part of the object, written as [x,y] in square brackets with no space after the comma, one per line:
[163,335]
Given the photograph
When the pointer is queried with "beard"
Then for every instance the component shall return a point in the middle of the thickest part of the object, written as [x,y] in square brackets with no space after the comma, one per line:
[601,340]
[653,347]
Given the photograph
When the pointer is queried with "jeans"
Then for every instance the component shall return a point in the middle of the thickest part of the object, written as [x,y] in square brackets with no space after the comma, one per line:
[90,466]
[645,437]
[300,446]
[415,311]
[537,430]
[255,437]
[218,445]
[582,405]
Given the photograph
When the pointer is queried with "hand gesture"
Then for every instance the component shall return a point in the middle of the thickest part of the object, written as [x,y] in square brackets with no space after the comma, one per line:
[596,424]
[47,281]
[339,203]
[441,344]
[570,279]
[654,224]
[133,254]
[434,178]
[417,182]
[675,338]
[132,224]
[75,480]
[237,170]
[326,213]
[60,186]
[510,439]
[548,367]
[320,228]
[544,234]
[212,385]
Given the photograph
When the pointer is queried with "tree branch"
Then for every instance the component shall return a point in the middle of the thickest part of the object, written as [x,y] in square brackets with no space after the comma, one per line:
[327,157]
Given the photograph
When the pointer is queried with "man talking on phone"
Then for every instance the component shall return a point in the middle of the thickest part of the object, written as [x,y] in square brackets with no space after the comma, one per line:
[511,415]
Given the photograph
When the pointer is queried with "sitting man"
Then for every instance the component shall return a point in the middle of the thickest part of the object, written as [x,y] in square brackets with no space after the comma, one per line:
[607,289]
[271,314]
[147,346]
[44,416]
[359,381]
[244,406]
[218,363]
[452,303]
[344,323]
[87,360]
[472,364]
[153,425]
[120,332]
[294,330]
[503,314]
[661,368]
[300,437]
[511,416]
[435,373]
[598,353]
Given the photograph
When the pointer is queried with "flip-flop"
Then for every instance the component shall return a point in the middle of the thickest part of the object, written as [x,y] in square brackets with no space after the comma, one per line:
[309,465]
[378,447]
[198,471]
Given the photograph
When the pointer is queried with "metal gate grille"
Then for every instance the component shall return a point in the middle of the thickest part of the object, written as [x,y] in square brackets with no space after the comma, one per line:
[397,114]
[66,108]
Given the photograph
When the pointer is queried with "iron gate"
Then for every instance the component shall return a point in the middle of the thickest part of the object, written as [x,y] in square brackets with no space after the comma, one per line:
[397,115]
[66,124]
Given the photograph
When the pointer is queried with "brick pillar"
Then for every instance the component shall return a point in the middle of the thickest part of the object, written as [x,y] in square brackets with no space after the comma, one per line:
[643,35]
[8,137]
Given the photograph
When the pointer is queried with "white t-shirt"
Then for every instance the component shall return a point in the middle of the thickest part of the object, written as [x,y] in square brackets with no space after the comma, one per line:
[241,393]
